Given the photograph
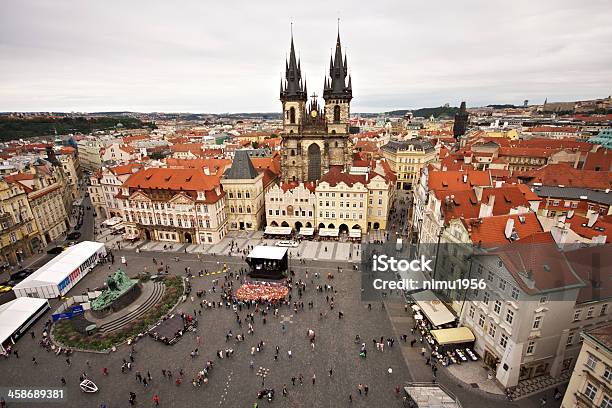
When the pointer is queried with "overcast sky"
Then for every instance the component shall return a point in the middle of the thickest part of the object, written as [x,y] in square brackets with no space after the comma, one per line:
[227,56]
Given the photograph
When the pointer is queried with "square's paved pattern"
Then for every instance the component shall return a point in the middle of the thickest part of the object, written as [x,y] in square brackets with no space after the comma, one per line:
[232,383]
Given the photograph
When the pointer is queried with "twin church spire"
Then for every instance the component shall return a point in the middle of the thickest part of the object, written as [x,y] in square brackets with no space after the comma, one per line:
[293,87]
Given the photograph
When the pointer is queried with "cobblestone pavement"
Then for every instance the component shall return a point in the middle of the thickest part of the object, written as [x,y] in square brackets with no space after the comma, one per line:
[232,382]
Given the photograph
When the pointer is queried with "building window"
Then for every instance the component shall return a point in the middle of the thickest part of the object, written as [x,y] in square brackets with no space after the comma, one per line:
[577,315]
[570,339]
[497,307]
[543,299]
[492,330]
[530,347]
[502,284]
[515,293]
[606,402]
[503,340]
[485,298]
[590,391]
[604,309]
[536,322]
[509,316]
[490,276]
[591,362]
[481,320]
[607,375]
[590,311]
[471,312]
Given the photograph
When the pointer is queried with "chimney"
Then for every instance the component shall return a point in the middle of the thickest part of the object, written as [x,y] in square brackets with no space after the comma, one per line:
[592,217]
[478,192]
[509,228]
[465,177]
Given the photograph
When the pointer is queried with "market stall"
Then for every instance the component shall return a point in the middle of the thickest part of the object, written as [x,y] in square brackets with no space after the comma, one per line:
[60,274]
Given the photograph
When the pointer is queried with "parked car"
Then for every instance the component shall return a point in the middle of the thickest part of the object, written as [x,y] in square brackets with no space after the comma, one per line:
[73,236]
[25,272]
[5,288]
[55,250]
[291,244]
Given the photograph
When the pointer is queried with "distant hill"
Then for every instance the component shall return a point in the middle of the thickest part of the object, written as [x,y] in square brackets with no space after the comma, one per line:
[439,112]
[22,128]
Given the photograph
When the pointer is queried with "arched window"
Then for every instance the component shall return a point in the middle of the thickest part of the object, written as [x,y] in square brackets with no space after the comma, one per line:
[292,115]
[337,113]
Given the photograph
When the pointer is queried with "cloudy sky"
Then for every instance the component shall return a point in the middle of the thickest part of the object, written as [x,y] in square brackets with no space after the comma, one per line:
[227,56]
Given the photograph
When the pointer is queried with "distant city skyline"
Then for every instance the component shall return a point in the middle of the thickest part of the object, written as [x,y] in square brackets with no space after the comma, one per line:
[142,56]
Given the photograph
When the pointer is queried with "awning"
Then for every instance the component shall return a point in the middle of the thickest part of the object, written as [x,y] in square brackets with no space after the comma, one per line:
[306,231]
[329,232]
[112,221]
[355,233]
[278,230]
[456,335]
[433,308]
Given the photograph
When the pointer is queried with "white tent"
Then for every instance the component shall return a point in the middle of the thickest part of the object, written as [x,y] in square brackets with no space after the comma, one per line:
[437,313]
[17,316]
[329,232]
[306,231]
[60,274]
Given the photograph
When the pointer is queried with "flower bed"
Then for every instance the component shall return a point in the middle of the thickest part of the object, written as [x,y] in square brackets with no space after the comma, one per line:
[262,291]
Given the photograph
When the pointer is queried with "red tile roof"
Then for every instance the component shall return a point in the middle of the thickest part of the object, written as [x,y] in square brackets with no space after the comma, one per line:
[579,225]
[601,160]
[525,152]
[293,184]
[125,169]
[564,174]
[539,261]
[186,180]
[454,179]
[598,284]
[490,231]
[335,175]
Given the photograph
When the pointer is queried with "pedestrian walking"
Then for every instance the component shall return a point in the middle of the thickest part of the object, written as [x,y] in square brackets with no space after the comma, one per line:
[314,379]
[331,372]
[156,399]
[366,389]
[360,388]
[34,361]
[63,381]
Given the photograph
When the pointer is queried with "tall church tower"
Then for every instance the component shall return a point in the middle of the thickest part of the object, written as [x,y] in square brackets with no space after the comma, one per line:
[315,138]
[293,94]
[337,93]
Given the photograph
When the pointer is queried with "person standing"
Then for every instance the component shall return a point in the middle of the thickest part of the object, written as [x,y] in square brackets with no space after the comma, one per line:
[314,379]
[156,400]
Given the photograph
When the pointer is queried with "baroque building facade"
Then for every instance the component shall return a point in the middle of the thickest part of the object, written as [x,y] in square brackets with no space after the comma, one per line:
[315,138]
